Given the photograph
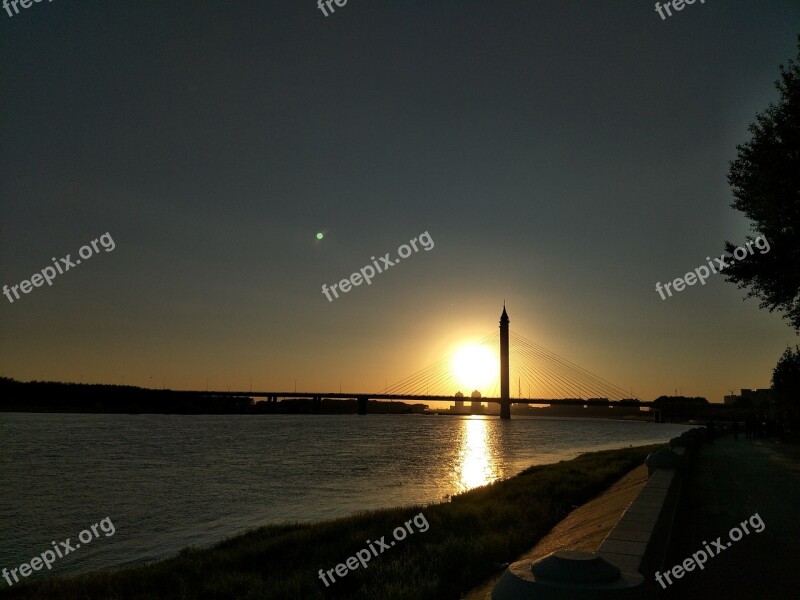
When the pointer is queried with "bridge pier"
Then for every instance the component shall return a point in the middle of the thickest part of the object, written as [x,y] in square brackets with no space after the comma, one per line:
[362,405]
[505,410]
[316,404]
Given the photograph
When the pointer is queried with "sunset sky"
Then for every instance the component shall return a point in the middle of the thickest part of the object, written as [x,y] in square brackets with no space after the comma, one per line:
[563,156]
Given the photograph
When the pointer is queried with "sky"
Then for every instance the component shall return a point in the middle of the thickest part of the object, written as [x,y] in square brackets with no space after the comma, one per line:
[562,156]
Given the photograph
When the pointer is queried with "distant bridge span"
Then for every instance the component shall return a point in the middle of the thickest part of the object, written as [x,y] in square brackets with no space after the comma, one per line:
[362,399]
[544,371]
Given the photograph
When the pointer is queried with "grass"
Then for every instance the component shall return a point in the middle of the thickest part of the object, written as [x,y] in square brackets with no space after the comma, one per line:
[468,540]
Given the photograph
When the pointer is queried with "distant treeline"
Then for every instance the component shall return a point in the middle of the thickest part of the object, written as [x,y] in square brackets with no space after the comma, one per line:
[49,396]
[294,406]
[696,401]
[682,408]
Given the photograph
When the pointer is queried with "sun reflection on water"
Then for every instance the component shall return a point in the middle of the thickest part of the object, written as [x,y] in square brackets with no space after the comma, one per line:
[477,463]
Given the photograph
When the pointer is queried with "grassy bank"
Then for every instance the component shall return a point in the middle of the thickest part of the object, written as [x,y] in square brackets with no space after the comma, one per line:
[468,539]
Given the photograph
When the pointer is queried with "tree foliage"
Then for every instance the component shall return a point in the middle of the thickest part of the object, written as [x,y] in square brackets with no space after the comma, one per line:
[786,378]
[765,181]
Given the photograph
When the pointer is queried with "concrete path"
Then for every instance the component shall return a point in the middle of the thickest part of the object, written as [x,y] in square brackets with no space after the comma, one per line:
[730,482]
[584,528]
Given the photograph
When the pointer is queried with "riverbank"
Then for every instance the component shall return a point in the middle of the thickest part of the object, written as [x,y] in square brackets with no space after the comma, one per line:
[468,540]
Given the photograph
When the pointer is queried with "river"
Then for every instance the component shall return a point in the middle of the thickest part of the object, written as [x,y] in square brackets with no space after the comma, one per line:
[169,481]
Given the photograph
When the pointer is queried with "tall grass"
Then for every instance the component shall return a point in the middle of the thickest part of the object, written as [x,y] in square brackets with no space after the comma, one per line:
[469,539]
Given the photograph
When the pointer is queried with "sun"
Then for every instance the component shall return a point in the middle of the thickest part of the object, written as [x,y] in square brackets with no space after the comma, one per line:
[475,367]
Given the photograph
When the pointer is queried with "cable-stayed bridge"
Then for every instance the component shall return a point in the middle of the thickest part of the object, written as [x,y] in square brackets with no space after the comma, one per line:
[546,377]
[536,375]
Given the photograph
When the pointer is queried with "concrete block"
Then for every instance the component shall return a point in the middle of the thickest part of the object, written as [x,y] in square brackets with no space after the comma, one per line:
[568,575]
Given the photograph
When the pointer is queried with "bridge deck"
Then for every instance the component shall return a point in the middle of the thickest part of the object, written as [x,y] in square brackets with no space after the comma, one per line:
[433,397]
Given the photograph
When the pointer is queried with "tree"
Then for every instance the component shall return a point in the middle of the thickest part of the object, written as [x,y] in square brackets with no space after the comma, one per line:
[786,379]
[765,180]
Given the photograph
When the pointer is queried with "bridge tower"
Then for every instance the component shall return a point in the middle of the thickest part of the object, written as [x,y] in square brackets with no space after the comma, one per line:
[505,399]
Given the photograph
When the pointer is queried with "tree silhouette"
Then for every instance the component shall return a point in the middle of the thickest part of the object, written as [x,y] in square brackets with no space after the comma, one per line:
[786,378]
[765,180]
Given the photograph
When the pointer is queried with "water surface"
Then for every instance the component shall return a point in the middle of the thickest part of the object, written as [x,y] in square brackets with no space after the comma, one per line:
[168,481]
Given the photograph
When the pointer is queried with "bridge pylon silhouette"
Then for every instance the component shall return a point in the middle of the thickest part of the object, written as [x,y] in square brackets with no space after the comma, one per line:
[505,392]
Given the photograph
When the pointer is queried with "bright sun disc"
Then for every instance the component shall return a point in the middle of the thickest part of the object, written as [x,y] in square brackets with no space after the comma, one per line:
[475,367]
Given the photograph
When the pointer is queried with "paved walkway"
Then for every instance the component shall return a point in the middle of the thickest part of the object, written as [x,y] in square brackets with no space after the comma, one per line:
[730,482]
[584,528]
